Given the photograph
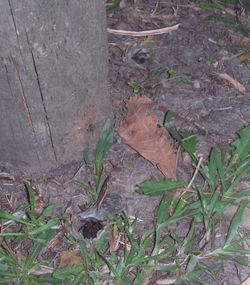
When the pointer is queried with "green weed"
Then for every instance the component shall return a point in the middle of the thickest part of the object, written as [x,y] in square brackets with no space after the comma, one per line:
[212,191]
[95,166]
[36,230]
[138,256]
[233,22]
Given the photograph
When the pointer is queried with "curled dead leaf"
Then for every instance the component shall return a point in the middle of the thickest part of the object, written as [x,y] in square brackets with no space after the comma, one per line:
[232,81]
[139,130]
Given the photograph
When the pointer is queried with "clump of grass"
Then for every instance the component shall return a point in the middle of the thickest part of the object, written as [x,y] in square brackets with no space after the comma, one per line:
[121,255]
[16,266]
[106,140]
[239,7]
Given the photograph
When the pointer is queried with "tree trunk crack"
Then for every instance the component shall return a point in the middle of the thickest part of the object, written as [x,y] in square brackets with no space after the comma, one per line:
[15,27]
[44,106]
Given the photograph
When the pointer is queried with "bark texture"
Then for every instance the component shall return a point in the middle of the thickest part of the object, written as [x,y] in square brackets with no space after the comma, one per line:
[53,87]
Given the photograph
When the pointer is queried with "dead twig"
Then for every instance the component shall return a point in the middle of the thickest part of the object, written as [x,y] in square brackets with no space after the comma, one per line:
[194,175]
[143,33]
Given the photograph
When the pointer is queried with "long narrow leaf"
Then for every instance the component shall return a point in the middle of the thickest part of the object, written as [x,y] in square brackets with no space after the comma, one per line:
[67,271]
[235,223]
[37,247]
[242,193]
[153,187]
[242,145]
[51,223]
[193,261]
[236,181]
[31,212]
[104,143]
[7,216]
[220,168]
[188,239]
[163,208]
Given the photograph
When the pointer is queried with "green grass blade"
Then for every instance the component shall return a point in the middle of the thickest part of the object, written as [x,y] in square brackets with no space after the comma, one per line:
[163,209]
[104,143]
[46,212]
[242,193]
[220,167]
[67,272]
[46,236]
[187,140]
[240,260]
[189,238]
[31,194]
[231,188]
[214,201]
[12,235]
[85,255]
[85,157]
[193,261]
[7,216]
[167,118]
[153,187]
[110,266]
[212,170]
[235,223]
[112,5]
[235,250]
[8,281]
[50,223]
[241,145]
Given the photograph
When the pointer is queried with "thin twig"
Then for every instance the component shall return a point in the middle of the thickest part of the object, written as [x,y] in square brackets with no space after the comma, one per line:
[143,33]
[194,175]
[196,172]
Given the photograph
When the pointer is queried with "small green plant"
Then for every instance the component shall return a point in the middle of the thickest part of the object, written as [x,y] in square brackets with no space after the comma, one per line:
[112,5]
[212,189]
[139,255]
[37,230]
[235,23]
[104,143]
[135,87]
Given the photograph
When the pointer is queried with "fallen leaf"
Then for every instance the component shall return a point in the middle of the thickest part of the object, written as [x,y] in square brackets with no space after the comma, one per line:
[69,257]
[244,58]
[232,81]
[140,131]
[246,282]
[114,240]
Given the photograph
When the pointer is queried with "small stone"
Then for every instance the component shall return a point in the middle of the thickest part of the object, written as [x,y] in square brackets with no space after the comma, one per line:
[197,84]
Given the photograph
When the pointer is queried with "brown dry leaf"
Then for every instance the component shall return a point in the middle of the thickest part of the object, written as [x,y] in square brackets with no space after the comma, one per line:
[246,282]
[244,58]
[114,240]
[140,131]
[69,257]
[232,81]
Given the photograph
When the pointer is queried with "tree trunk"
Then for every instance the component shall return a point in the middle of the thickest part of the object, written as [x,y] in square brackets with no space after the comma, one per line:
[53,88]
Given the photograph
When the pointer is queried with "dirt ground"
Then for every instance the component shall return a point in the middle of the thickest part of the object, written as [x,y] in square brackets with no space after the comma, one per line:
[179,72]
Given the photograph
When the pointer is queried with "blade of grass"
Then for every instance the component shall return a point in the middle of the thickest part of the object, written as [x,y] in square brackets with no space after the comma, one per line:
[153,187]
[235,223]
[7,216]
[37,247]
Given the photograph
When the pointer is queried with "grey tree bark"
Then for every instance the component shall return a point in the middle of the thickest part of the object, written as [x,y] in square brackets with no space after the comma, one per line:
[53,87]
